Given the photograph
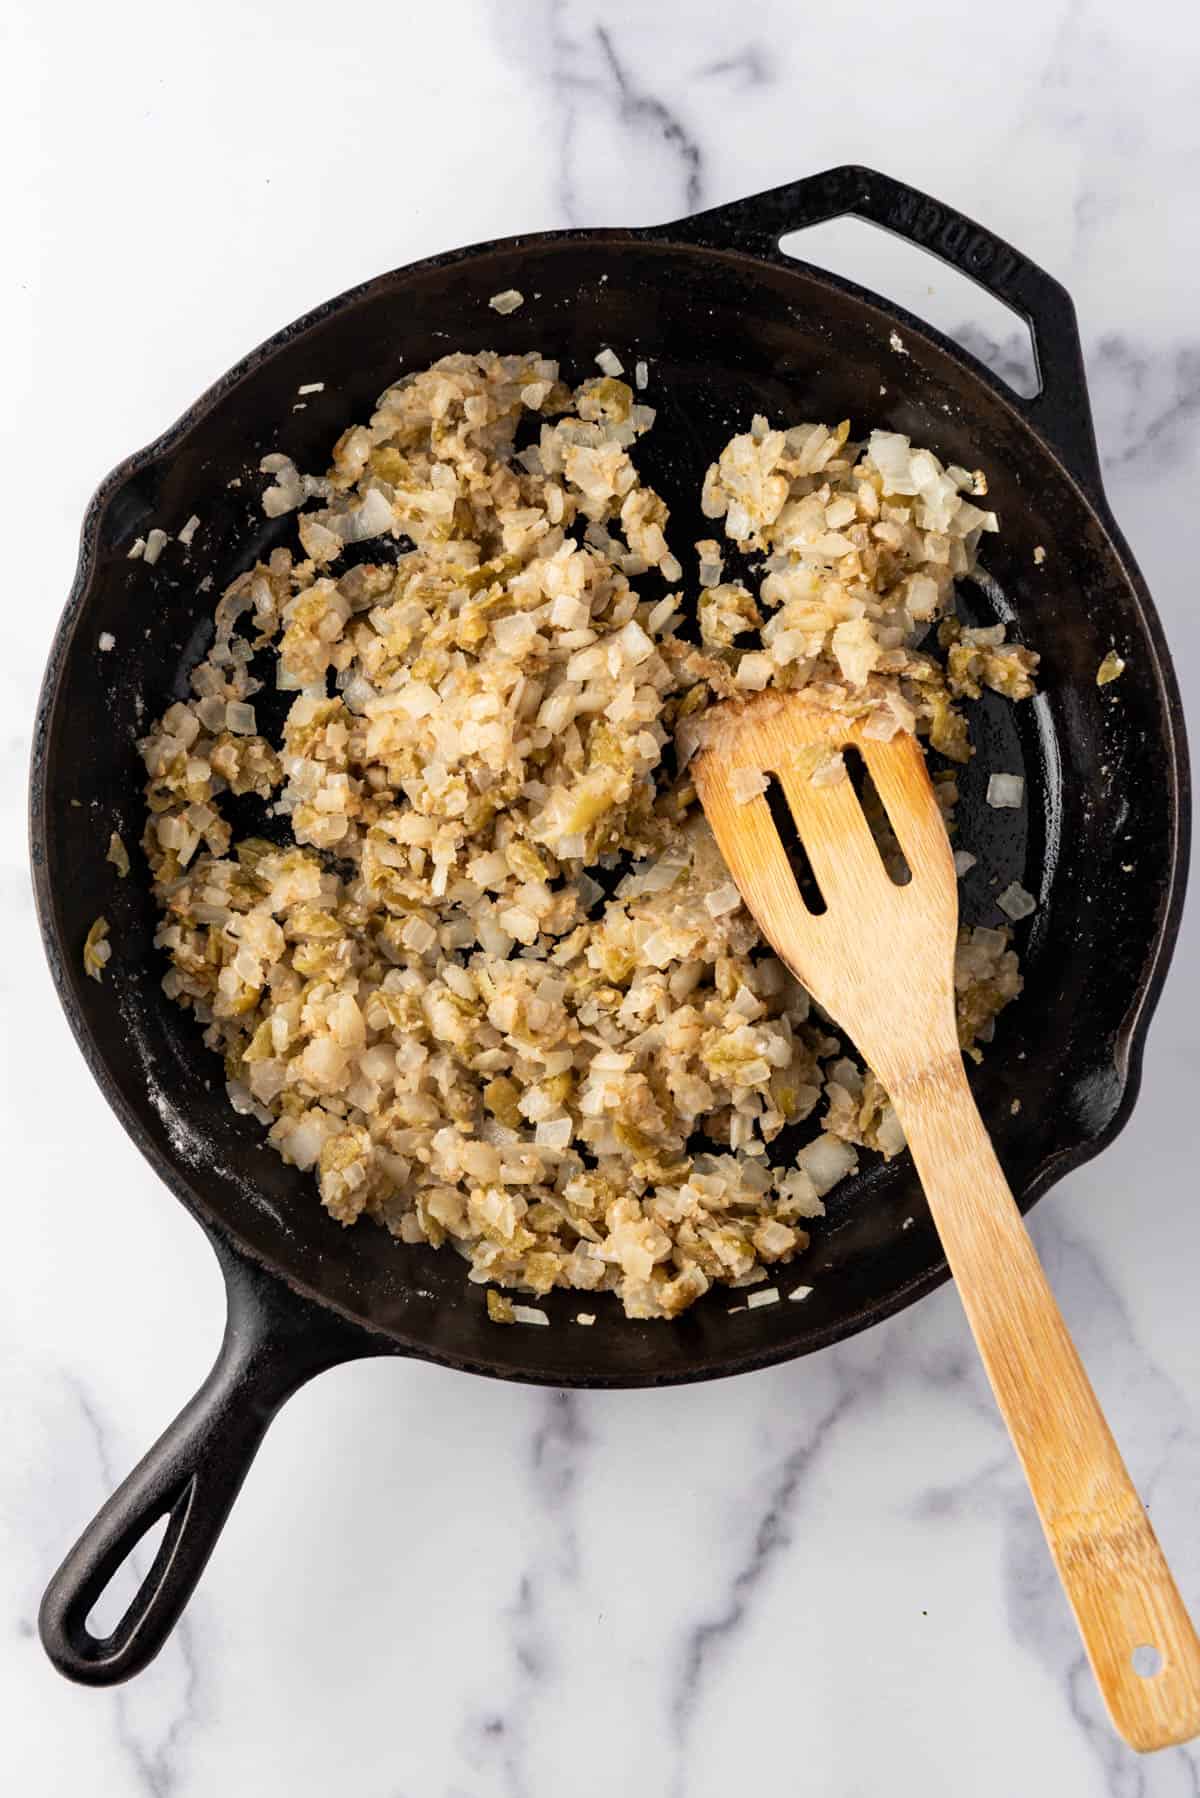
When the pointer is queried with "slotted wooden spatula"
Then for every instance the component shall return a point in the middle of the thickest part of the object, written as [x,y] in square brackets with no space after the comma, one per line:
[880,961]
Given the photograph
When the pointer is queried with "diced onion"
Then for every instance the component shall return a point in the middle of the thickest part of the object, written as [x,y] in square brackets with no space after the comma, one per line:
[1005,791]
[1016,902]
[826,1161]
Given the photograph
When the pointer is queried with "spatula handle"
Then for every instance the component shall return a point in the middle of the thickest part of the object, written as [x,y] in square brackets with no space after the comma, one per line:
[1126,1604]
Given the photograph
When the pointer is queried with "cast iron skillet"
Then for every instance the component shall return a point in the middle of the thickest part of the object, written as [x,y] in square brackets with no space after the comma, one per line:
[729,326]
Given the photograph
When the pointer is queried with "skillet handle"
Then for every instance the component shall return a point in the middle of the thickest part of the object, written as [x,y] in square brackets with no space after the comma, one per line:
[1060,410]
[274,1342]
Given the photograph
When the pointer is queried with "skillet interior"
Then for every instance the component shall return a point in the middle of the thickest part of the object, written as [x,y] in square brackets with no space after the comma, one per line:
[726,335]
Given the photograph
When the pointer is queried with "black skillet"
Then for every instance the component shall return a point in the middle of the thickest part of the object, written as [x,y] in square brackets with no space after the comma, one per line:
[729,326]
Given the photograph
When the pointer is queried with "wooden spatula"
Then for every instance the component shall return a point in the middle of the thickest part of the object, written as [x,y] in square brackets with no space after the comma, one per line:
[880,961]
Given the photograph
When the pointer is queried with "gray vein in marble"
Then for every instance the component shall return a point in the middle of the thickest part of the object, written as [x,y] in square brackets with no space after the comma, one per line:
[1038,1615]
[583,69]
[959,1496]
[1124,1774]
[1010,357]
[1060,69]
[749,68]
[501,1737]
[1084,59]
[642,112]
[860,1371]
[564,81]
[1146,402]
[1149,401]
[956,1367]
[556,1448]
[156,1770]
[770,1538]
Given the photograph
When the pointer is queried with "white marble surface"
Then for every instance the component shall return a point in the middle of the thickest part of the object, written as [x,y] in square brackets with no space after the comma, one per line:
[826,1576]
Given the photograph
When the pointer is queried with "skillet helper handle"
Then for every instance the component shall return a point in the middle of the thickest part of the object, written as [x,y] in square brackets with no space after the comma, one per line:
[274,1342]
[1125,1601]
[1060,410]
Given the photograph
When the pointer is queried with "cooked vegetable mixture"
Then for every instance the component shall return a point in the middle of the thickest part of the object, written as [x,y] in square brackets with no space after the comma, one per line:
[490,980]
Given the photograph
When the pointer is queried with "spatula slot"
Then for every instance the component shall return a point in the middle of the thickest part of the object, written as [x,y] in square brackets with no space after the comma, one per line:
[875,812]
[793,844]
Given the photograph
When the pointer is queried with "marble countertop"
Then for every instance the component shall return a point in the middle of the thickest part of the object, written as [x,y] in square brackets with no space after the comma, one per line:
[828,1576]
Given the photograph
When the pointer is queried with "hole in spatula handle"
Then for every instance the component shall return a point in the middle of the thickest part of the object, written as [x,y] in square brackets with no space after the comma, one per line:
[1146,1661]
